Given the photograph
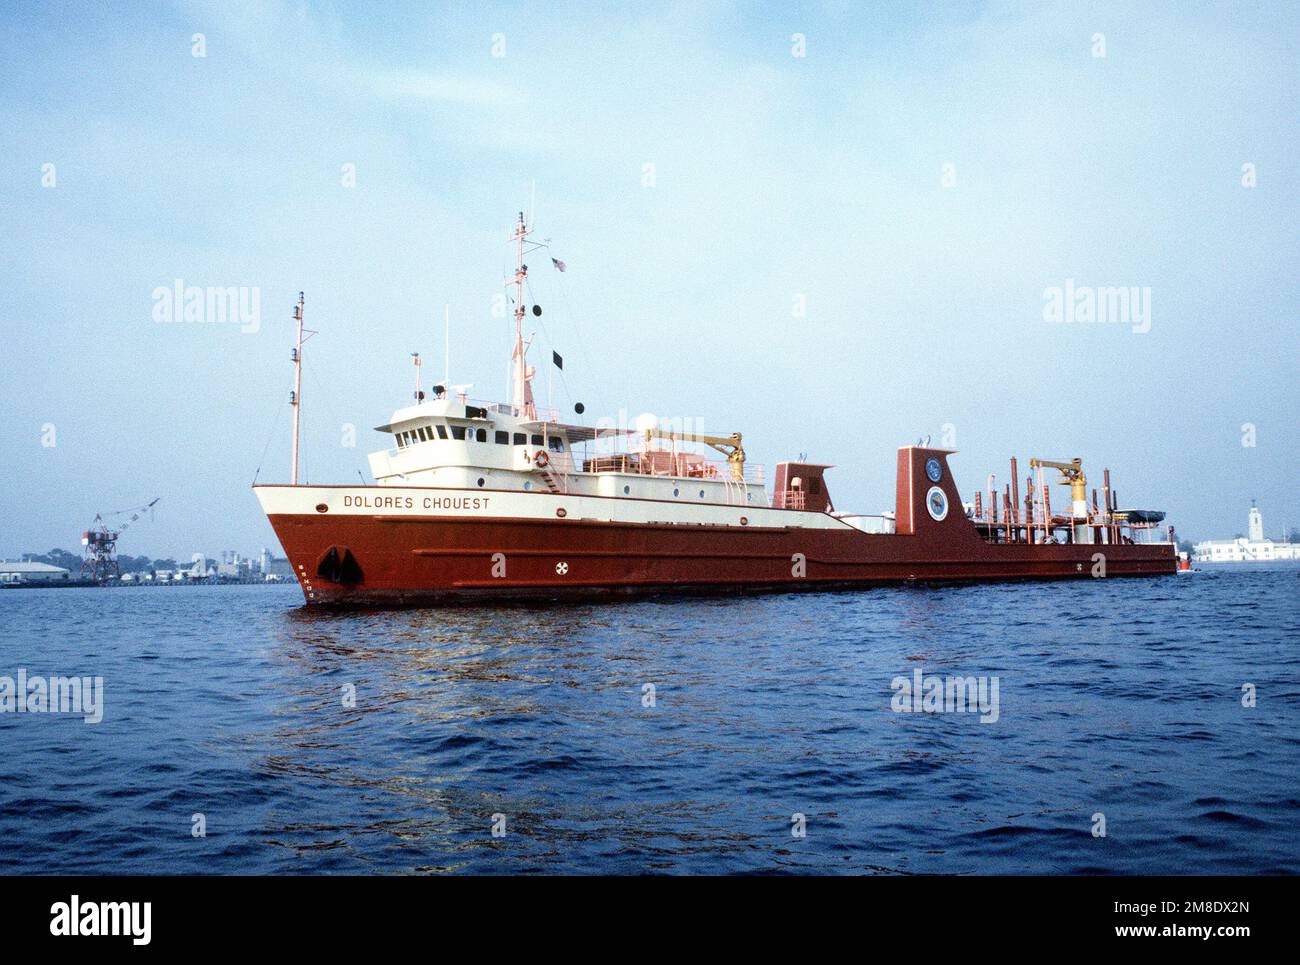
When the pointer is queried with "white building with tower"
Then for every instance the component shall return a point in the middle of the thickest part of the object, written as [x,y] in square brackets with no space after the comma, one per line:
[1250,549]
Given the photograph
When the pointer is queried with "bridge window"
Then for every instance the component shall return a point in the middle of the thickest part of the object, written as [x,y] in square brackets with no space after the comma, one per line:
[536,440]
[442,431]
[555,443]
[481,435]
[458,432]
[401,443]
[502,438]
[521,439]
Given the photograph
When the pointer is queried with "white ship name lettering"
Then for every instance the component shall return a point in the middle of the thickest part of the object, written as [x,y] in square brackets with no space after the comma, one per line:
[407,502]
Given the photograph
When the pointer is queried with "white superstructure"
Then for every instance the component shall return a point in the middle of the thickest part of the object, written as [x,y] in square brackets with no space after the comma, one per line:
[458,444]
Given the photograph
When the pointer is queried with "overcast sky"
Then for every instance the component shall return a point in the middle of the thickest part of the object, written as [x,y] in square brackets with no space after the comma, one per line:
[917,178]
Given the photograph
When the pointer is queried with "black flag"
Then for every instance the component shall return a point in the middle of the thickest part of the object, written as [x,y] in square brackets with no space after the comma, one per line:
[559,362]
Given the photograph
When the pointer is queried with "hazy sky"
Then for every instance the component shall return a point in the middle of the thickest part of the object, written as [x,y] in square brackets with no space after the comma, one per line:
[778,180]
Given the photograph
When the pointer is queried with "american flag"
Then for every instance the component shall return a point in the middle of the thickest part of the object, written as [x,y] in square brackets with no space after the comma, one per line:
[559,264]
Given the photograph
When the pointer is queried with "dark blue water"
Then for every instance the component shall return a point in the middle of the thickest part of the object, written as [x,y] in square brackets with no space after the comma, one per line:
[1121,697]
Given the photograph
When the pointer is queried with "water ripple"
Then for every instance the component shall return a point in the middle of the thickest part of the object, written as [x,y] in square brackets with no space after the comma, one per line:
[665,736]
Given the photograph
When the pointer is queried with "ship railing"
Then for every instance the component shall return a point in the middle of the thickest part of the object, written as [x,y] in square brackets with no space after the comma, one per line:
[1127,531]
[793,499]
[1103,528]
[562,462]
[674,464]
[560,468]
[1146,533]
[541,413]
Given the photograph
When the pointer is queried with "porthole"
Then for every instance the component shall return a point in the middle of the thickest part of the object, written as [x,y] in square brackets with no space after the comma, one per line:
[744,521]
[480,482]
[561,512]
[936,503]
[322,508]
[527,486]
[677,492]
[626,490]
[701,493]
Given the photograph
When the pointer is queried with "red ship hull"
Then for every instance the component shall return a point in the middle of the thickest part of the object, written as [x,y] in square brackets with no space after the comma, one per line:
[436,562]
[379,559]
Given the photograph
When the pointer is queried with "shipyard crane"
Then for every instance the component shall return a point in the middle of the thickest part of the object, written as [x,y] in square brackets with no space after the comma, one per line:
[729,446]
[99,559]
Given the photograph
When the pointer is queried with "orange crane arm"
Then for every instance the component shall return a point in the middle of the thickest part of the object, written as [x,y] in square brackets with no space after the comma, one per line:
[1071,475]
[729,446]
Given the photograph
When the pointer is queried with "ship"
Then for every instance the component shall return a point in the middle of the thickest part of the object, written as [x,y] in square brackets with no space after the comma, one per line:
[487,502]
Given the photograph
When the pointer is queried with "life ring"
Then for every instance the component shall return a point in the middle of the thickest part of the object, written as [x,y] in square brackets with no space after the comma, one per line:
[541,460]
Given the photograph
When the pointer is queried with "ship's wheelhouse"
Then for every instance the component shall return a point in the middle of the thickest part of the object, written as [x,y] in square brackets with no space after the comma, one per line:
[459,444]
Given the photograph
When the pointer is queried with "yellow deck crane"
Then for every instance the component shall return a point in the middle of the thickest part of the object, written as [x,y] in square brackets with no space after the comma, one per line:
[729,446]
[1072,476]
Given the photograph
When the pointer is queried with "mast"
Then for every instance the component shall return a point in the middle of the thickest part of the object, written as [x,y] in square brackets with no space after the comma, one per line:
[295,399]
[523,386]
